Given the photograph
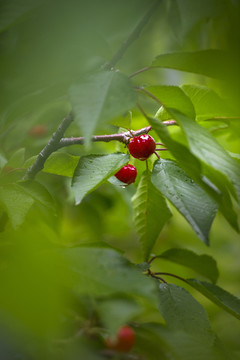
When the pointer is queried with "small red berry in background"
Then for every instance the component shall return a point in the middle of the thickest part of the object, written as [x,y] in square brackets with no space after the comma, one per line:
[124,340]
[142,146]
[38,131]
[127,174]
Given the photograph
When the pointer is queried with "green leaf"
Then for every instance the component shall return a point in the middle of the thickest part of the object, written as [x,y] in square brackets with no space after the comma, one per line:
[218,296]
[13,11]
[191,201]
[123,121]
[182,312]
[210,62]
[188,328]
[173,97]
[93,170]
[104,272]
[16,202]
[192,166]
[205,147]
[58,163]
[150,213]
[17,199]
[61,164]
[203,264]
[207,103]
[17,158]
[101,97]
[38,192]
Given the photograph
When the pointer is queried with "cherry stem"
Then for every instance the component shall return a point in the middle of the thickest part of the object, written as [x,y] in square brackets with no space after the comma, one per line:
[169,274]
[154,275]
[159,278]
[142,90]
[139,71]
[158,143]
[157,155]
[163,149]
[152,259]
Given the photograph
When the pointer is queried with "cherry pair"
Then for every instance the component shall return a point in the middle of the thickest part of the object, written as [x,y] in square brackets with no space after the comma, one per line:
[140,147]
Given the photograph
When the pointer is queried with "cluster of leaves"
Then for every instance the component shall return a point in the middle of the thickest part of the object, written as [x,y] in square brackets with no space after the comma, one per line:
[65,300]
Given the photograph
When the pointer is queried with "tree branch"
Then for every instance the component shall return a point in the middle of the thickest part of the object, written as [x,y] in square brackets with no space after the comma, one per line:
[133,36]
[51,146]
[122,137]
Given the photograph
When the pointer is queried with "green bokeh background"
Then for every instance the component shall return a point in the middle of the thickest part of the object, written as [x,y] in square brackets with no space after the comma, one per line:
[45,47]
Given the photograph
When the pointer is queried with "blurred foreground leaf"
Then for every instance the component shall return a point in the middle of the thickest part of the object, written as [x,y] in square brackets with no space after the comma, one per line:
[100,98]
[102,272]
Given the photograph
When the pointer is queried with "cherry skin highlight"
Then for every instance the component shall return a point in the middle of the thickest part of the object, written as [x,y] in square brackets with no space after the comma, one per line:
[142,146]
[127,174]
[124,340]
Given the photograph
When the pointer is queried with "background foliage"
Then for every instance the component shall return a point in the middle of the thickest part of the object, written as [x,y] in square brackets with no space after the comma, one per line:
[74,244]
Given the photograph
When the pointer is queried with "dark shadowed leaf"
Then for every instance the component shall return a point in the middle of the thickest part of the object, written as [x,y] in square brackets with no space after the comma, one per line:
[188,329]
[203,264]
[190,199]
[193,167]
[217,295]
[206,148]
[181,311]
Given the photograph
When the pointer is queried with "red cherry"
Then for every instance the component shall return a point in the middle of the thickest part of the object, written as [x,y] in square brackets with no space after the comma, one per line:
[142,146]
[127,174]
[124,340]
[38,131]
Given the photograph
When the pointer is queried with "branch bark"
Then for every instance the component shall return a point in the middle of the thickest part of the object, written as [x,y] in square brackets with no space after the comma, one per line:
[122,137]
[51,146]
[132,37]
